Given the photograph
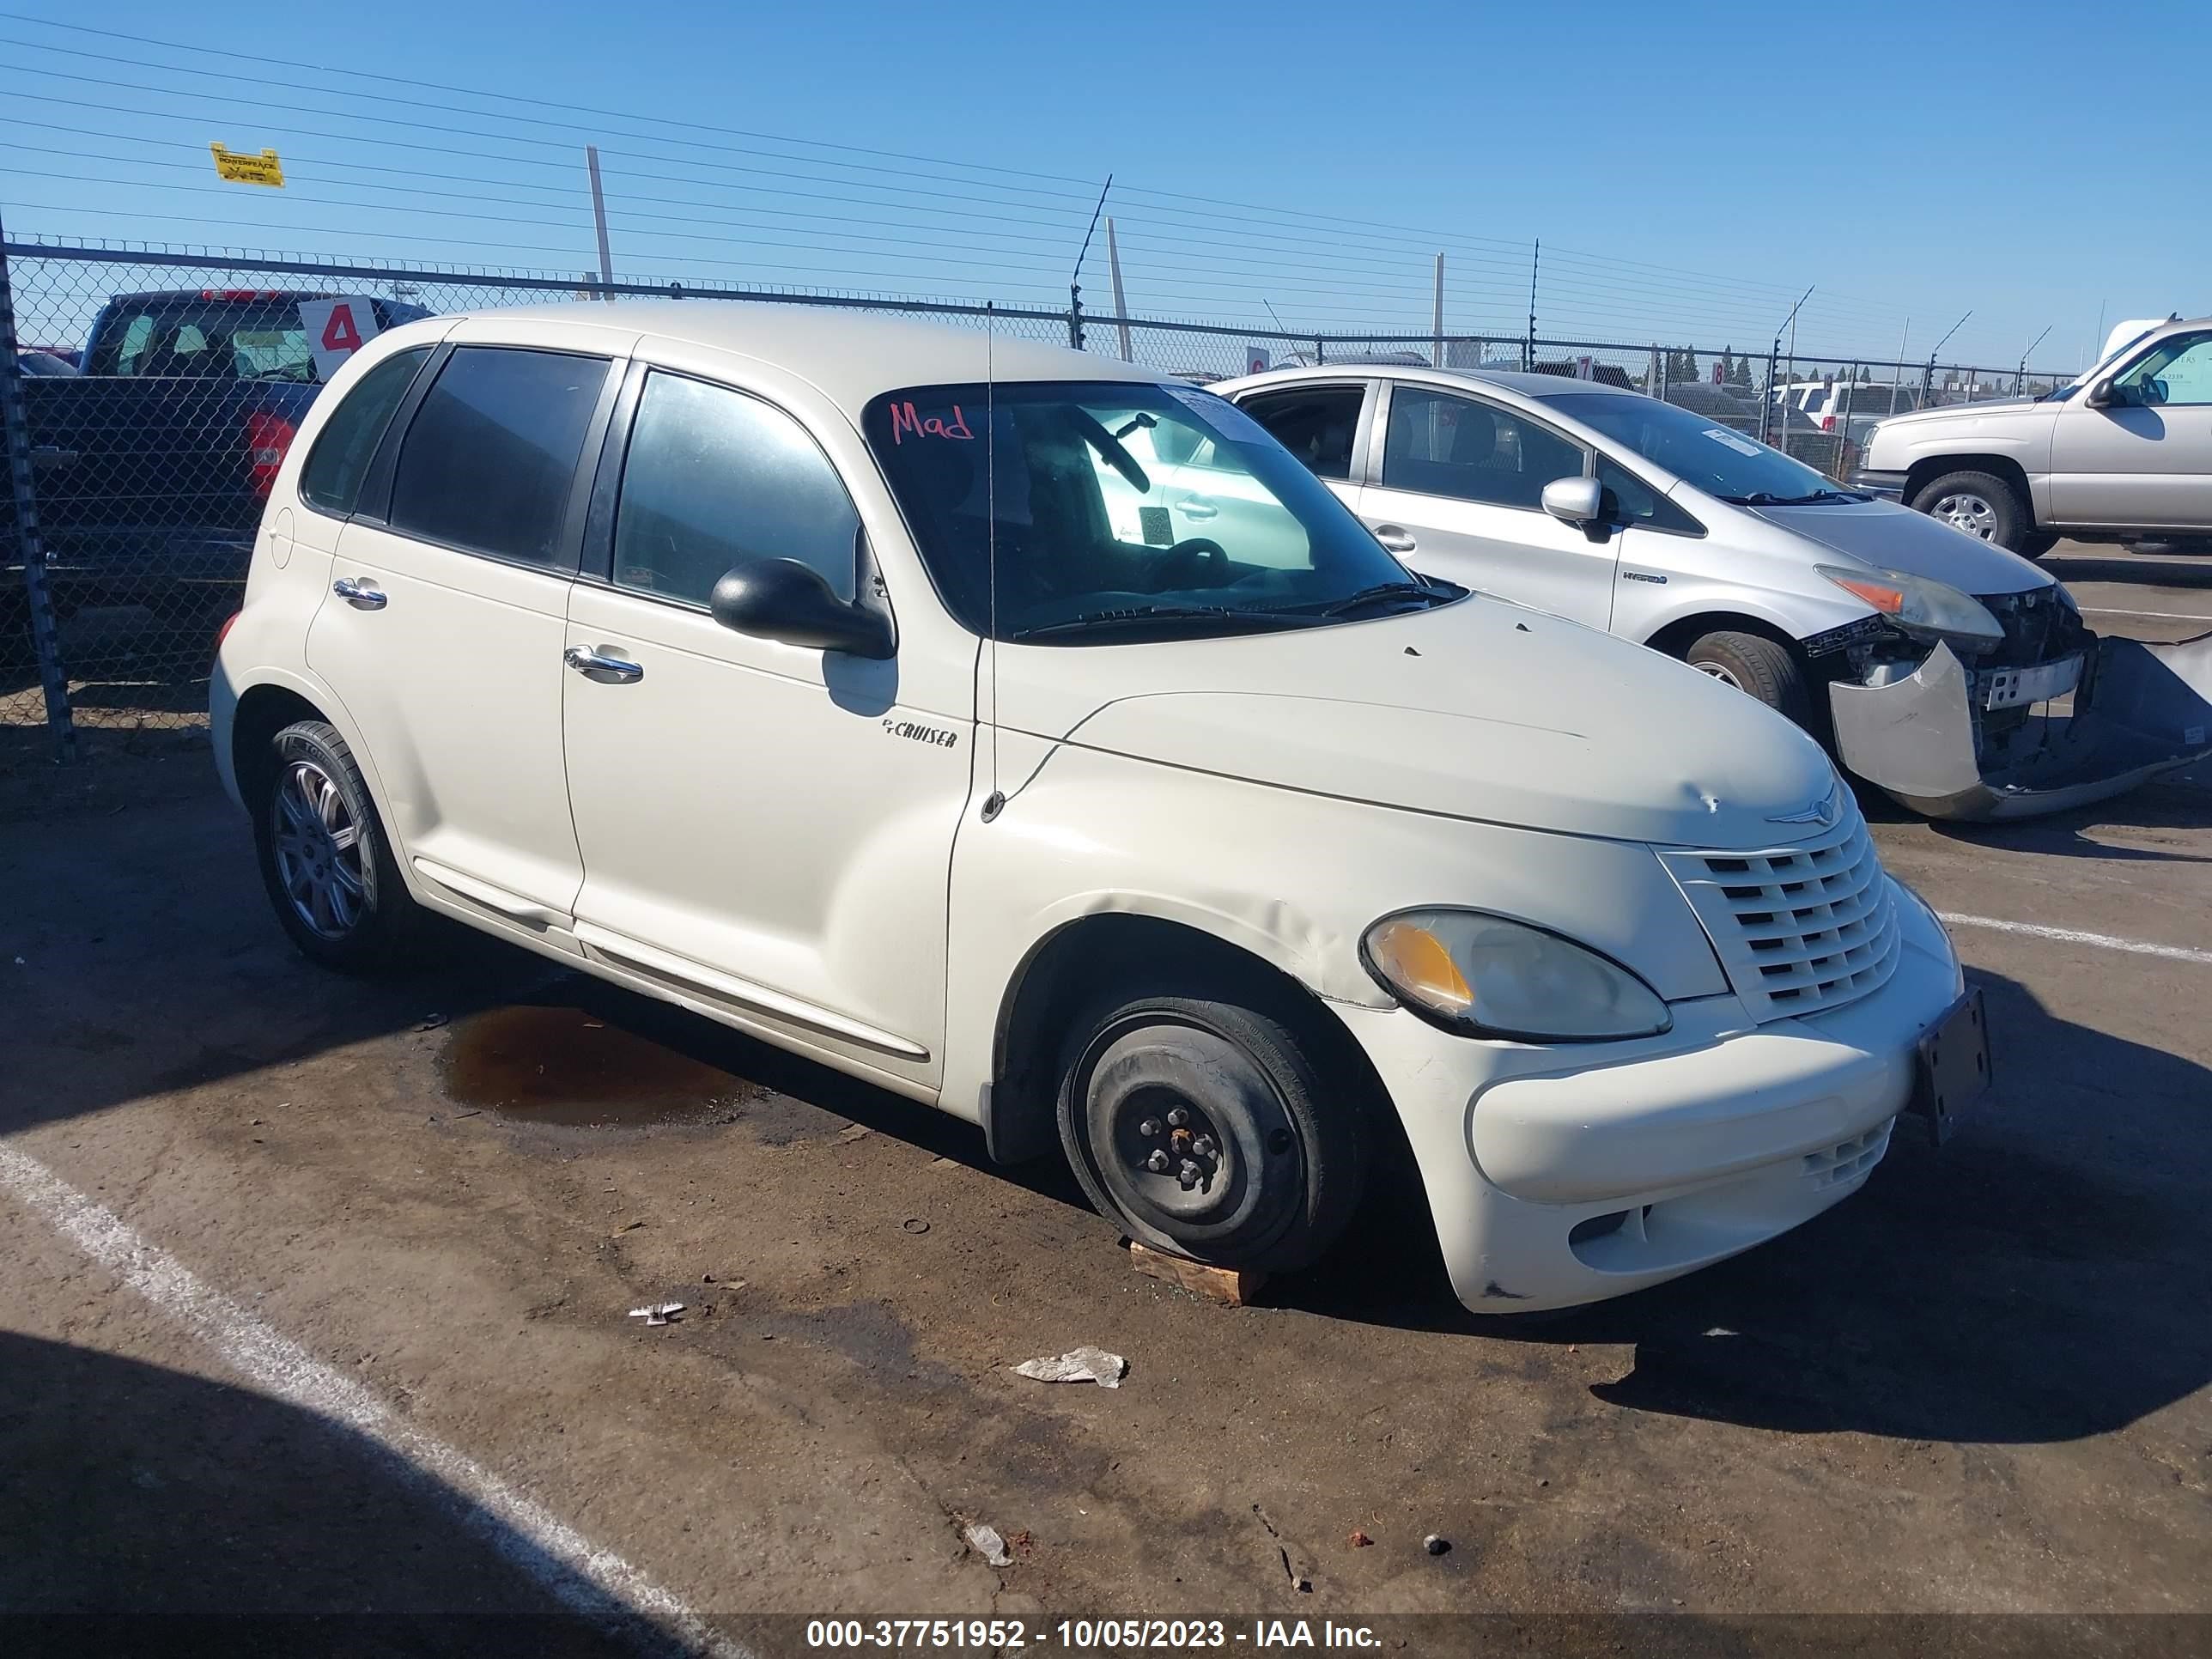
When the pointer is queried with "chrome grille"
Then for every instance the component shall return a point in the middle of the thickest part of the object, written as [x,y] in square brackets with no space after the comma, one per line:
[1798,928]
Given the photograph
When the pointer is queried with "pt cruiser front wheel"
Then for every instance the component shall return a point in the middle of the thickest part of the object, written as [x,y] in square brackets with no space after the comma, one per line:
[1204,1128]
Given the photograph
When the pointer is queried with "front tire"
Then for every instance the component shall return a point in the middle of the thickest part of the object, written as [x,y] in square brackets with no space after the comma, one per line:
[326,859]
[1201,1124]
[1981,505]
[1754,664]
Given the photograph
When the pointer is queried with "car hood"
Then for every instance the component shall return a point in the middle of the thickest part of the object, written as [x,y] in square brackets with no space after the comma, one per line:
[1918,417]
[1894,537]
[1479,710]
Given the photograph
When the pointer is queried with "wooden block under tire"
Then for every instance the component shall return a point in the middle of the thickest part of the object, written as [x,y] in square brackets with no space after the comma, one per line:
[1232,1287]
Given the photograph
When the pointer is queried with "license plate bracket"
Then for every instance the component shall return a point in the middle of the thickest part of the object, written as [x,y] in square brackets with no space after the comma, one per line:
[1951,1071]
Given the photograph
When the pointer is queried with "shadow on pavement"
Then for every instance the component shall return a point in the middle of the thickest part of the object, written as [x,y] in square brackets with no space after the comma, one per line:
[2152,570]
[146,1510]
[2041,1278]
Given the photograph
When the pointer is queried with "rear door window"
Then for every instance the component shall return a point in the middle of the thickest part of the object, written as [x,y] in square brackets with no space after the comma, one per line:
[1315,424]
[489,458]
[331,478]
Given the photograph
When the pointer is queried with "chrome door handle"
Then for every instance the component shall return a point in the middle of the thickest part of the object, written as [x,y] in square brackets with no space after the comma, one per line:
[361,596]
[1396,538]
[1198,509]
[614,669]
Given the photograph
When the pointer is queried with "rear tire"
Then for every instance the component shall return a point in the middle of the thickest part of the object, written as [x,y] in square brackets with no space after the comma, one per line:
[326,860]
[1187,1083]
[1754,664]
[1981,505]
[2035,544]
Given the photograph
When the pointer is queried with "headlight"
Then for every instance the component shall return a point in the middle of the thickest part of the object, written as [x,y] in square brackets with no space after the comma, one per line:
[1929,610]
[1483,975]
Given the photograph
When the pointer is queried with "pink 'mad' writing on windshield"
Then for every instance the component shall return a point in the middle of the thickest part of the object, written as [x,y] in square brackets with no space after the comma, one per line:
[904,420]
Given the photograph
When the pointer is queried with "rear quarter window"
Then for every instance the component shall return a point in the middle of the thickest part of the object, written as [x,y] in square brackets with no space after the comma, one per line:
[330,480]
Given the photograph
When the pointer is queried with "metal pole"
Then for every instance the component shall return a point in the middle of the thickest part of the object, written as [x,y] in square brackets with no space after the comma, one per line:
[1928,377]
[1897,379]
[1438,359]
[1529,346]
[1766,402]
[1075,277]
[1659,375]
[1121,305]
[599,222]
[45,637]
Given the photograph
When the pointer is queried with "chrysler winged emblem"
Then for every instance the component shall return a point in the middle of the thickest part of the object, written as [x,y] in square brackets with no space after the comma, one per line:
[1824,812]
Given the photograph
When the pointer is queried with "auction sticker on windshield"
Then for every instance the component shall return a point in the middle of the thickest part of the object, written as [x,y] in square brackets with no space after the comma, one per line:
[1223,418]
[1720,434]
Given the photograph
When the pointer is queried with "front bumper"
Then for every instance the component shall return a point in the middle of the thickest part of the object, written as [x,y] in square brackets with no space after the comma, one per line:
[2140,710]
[1890,486]
[1558,1177]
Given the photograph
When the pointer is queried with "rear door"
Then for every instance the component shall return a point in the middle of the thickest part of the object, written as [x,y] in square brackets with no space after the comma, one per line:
[443,630]
[2144,460]
[1464,478]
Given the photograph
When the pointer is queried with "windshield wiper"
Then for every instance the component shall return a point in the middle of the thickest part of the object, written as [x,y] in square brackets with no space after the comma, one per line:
[1763,498]
[1146,615]
[1349,602]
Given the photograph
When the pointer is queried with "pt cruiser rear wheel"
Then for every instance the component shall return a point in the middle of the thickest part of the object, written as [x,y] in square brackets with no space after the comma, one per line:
[324,859]
[1204,1128]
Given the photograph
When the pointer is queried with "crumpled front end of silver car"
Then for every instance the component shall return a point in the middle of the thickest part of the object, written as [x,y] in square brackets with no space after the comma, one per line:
[1957,741]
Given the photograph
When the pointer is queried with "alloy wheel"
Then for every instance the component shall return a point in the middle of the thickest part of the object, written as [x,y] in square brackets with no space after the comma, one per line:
[319,850]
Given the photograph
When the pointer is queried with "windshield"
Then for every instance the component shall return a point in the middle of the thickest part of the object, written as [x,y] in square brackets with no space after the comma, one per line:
[1120,510]
[1715,459]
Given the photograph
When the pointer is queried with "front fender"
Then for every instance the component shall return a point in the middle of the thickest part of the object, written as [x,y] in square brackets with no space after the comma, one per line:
[1290,879]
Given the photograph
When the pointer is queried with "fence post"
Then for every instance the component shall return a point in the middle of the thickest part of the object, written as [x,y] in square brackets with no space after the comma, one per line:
[1317,352]
[13,418]
[1075,319]
[1767,404]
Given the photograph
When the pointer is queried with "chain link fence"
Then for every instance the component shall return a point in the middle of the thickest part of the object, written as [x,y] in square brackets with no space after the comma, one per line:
[151,394]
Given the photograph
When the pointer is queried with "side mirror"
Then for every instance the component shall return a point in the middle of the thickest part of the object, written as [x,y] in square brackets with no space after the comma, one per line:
[783,599]
[1578,501]
[2101,394]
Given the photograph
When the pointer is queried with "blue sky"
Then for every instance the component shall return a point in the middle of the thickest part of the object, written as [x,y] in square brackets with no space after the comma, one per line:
[1689,167]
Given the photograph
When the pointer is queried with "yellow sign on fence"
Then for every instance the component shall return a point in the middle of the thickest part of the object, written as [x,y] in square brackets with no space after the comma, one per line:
[262,169]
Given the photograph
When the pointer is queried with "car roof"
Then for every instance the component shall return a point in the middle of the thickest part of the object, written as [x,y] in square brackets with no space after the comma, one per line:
[1539,386]
[853,355]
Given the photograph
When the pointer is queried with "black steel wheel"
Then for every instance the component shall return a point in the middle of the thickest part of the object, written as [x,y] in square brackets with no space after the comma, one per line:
[1203,1127]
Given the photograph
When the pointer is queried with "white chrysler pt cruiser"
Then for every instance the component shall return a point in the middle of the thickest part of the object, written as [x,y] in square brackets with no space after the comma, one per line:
[835,678]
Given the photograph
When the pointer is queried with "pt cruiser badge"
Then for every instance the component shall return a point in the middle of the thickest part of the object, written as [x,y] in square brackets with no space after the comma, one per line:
[943,736]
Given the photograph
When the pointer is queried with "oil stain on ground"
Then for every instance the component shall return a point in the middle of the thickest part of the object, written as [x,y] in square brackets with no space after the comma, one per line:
[554,1064]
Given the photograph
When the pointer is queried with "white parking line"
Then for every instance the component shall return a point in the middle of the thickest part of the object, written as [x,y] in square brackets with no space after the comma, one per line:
[2169,616]
[594,1583]
[2074,936]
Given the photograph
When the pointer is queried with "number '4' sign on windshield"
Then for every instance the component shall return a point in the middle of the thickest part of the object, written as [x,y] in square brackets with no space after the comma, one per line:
[336,329]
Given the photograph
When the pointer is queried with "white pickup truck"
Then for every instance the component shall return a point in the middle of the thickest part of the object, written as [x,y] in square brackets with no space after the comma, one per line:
[2122,454]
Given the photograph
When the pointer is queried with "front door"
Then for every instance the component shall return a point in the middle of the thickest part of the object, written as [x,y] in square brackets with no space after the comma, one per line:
[765,829]
[2145,459]
[1464,479]
[442,631]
